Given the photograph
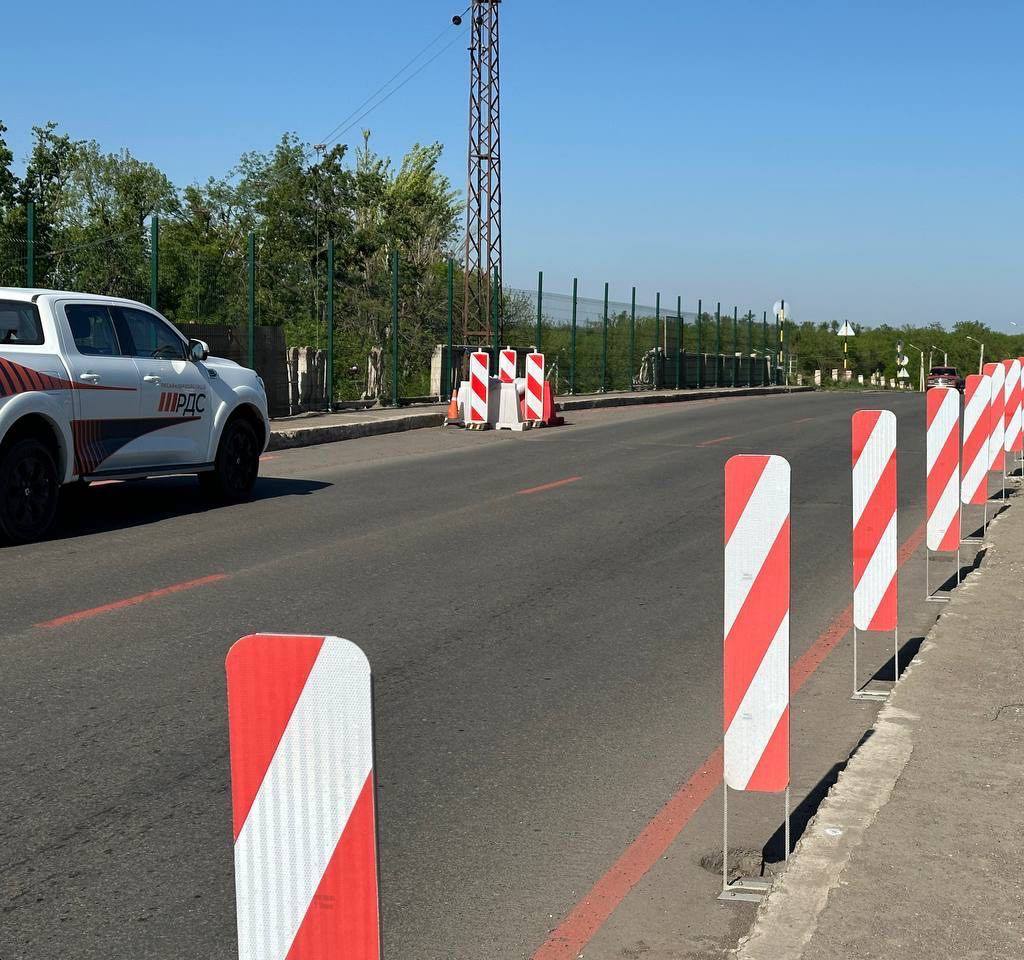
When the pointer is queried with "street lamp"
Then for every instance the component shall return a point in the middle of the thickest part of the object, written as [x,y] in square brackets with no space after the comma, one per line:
[981,357]
[920,351]
[945,356]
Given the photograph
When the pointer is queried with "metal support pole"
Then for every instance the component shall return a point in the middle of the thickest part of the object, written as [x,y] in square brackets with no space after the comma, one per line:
[679,342]
[765,367]
[394,328]
[496,313]
[540,308]
[572,337]
[750,348]
[449,365]
[604,343]
[725,836]
[735,345]
[700,344]
[154,258]
[855,687]
[252,300]
[718,345]
[632,340]
[30,244]
[896,653]
[330,324]
[786,804]
[657,321]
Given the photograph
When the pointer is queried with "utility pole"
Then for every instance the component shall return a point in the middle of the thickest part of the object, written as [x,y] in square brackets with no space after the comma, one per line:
[483,190]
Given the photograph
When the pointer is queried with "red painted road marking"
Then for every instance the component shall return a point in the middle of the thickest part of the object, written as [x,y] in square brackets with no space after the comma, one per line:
[133,601]
[104,483]
[548,486]
[708,443]
[588,916]
[268,456]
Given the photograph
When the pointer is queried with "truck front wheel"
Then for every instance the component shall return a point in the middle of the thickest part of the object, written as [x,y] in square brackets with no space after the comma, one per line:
[237,464]
[28,491]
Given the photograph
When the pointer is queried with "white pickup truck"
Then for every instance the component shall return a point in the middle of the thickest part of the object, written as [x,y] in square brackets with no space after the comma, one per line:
[102,388]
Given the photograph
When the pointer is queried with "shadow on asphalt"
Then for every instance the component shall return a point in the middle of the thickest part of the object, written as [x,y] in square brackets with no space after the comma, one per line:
[774,851]
[119,506]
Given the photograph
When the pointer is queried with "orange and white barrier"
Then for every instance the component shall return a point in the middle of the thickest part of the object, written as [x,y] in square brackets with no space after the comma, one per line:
[535,386]
[755,665]
[875,586]
[942,452]
[997,408]
[302,795]
[1013,439]
[479,391]
[507,366]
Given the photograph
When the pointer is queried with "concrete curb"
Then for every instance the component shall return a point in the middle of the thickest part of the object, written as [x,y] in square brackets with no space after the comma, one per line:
[312,435]
[787,919]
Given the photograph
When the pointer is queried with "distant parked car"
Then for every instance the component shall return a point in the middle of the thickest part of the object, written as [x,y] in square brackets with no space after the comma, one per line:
[945,377]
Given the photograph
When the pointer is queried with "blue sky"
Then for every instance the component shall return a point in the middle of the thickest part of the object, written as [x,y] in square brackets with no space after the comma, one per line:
[860,159]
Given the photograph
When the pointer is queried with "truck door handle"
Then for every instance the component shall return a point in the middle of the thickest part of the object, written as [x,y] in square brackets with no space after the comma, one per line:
[150,379]
[89,377]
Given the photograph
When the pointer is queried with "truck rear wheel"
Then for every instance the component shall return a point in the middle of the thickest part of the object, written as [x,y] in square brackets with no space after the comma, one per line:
[28,491]
[237,464]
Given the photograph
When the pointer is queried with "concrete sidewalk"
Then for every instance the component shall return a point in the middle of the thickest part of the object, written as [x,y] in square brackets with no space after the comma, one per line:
[918,850]
[310,429]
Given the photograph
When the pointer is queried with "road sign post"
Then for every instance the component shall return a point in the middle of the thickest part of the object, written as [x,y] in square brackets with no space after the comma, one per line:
[875,582]
[942,456]
[300,719]
[755,654]
[977,431]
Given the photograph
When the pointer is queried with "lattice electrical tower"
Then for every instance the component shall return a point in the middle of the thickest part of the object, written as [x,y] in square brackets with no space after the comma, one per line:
[481,316]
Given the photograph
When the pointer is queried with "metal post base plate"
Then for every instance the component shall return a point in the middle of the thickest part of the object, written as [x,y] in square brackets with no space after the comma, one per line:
[744,890]
[876,696]
[937,599]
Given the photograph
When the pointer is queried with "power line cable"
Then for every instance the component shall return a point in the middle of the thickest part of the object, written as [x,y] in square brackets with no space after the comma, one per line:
[334,134]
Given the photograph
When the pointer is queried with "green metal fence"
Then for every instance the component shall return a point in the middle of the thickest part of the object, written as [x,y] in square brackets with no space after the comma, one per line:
[381,324]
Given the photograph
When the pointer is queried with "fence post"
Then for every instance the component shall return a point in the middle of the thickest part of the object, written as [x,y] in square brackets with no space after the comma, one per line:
[700,344]
[632,340]
[30,244]
[767,367]
[679,342]
[252,300]
[540,308]
[446,367]
[718,345]
[154,257]
[394,328]
[330,324]
[750,348]
[657,321]
[735,345]
[604,344]
[572,338]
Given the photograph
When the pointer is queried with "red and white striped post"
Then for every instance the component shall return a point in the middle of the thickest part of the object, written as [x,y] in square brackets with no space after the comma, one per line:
[942,453]
[302,795]
[875,582]
[975,459]
[1019,447]
[507,365]
[1013,439]
[535,386]
[479,390]
[755,656]
[997,411]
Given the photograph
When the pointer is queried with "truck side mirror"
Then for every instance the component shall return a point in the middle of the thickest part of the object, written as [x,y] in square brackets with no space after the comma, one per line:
[198,351]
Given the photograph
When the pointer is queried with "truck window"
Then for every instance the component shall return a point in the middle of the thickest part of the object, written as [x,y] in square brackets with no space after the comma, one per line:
[93,330]
[145,335]
[19,323]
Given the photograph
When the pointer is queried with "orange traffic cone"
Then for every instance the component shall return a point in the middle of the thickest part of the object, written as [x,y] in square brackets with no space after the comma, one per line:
[453,419]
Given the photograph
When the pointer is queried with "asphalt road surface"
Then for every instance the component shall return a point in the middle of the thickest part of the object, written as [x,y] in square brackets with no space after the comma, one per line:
[543,616]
